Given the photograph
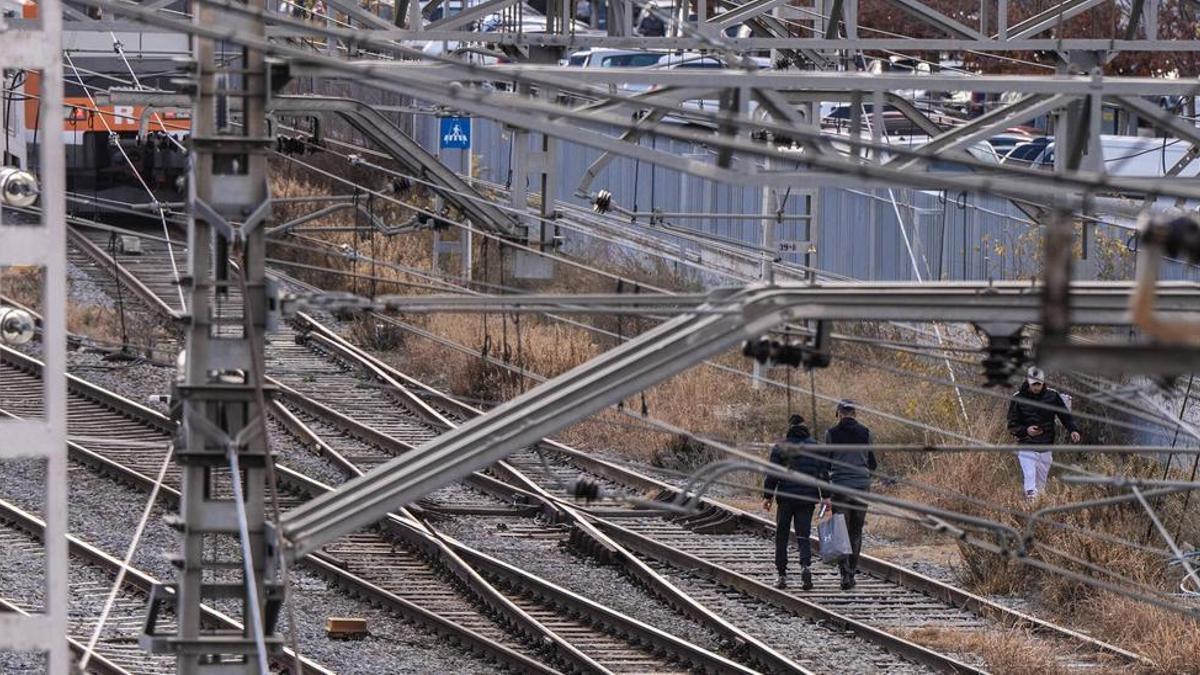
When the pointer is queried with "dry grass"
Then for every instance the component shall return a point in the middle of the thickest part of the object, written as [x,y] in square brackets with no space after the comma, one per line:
[1169,639]
[22,284]
[1172,643]
[102,324]
[1005,652]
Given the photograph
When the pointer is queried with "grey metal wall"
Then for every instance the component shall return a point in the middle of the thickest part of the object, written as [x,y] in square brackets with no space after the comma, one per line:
[859,234]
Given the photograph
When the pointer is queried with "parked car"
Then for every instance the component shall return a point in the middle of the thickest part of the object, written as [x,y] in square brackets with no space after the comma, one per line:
[1133,156]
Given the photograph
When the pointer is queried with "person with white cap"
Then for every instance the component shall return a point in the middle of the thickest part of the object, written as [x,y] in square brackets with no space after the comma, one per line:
[1031,415]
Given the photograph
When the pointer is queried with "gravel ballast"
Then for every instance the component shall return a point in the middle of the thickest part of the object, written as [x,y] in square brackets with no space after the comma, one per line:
[545,557]
[104,512]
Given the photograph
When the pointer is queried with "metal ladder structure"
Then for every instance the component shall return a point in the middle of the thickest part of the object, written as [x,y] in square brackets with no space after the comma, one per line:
[36,47]
[222,448]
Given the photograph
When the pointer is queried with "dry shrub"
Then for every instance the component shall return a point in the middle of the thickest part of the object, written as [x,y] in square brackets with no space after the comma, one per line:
[723,405]
[411,250]
[1172,642]
[22,284]
[684,453]
[1168,639]
[376,335]
[1006,652]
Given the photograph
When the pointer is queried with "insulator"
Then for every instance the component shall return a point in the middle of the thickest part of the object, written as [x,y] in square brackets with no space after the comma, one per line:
[792,354]
[586,489]
[17,188]
[759,350]
[16,326]
[1179,236]
[602,202]
[1004,359]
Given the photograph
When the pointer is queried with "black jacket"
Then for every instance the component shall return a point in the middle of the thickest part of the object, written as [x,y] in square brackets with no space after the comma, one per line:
[851,468]
[782,488]
[1022,415]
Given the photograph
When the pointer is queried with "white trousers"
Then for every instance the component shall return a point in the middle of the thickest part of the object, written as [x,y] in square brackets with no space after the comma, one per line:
[1035,466]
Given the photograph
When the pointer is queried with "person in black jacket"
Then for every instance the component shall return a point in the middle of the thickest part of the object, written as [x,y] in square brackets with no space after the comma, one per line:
[852,469]
[1031,415]
[795,500]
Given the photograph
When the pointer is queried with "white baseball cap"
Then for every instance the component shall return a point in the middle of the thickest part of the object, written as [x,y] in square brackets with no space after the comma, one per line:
[1035,375]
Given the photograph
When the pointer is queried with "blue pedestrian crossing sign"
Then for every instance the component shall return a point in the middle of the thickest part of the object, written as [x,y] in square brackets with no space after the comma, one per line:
[456,133]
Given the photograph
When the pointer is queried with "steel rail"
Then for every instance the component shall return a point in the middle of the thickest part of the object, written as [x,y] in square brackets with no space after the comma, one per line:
[755,649]
[595,528]
[410,529]
[99,663]
[124,276]
[888,571]
[427,540]
[137,581]
[876,566]
[104,463]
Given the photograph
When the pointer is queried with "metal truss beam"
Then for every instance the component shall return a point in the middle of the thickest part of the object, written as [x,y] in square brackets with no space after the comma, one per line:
[546,117]
[355,11]
[1044,21]
[989,124]
[794,81]
[743,13]
[469,15]
[43,245]
[1162,119]
[369,122]
[765,42]
[937,19]
[725,320]
[222,448]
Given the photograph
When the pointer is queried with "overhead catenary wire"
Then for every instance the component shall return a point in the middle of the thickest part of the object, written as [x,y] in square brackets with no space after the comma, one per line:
[406,203]
[1038,182]
[134,542]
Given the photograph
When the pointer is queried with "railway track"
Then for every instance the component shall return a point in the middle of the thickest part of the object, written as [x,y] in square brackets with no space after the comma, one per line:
[359,447]
[396,570]
[730,546]
[412,407]
[890,600]
[92,573]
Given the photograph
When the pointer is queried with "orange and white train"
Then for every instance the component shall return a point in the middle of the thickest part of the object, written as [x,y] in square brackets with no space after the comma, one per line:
[114,153]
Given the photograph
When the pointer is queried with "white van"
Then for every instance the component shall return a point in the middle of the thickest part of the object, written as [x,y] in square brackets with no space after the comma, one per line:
[1132,156]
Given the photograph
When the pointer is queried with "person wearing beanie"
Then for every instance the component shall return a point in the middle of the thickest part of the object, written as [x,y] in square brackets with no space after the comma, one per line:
[795,501]
[1031,415]
[850,469]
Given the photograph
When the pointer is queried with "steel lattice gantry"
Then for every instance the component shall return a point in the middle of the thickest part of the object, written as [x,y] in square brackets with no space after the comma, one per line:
[222,447]
[727,318]
[36,47]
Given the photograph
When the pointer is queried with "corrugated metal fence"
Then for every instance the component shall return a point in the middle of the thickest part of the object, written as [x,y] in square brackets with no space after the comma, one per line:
[859,233]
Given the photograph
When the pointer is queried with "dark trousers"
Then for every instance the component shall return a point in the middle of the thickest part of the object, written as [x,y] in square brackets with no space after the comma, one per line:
[856,517]
[788,513]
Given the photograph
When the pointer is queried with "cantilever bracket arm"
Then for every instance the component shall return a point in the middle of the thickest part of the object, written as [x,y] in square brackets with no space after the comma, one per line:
[728,317]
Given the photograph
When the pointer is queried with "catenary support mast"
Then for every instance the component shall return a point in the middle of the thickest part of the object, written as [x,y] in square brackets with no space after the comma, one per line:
[228,551]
